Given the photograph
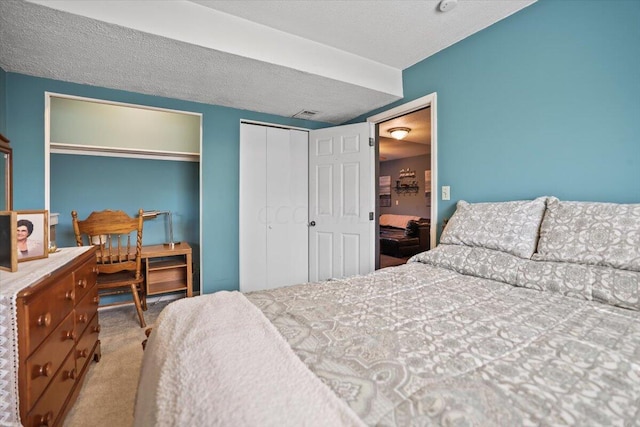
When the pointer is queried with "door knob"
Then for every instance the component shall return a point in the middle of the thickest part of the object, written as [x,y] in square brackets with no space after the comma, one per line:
[312,224]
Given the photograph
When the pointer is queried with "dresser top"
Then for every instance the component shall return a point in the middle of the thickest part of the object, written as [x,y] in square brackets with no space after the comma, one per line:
[32,271]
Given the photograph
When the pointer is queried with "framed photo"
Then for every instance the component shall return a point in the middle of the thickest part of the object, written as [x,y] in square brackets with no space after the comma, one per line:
[8,242]
[385,190]
[427,182]
[32,235]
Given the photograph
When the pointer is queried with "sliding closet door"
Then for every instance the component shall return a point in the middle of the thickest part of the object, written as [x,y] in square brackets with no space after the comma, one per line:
[273,207]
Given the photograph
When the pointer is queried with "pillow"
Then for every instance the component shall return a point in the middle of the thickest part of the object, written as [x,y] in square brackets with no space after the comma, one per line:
[412,229]
[510,227]
[575,280]
[617,287]
[603,284]
[451,257]
[477,262]
[605,234]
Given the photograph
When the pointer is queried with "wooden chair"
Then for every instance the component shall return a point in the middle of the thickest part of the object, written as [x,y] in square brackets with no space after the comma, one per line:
[119,259]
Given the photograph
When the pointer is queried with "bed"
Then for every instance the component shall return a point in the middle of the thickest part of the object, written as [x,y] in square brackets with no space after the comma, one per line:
[527,313]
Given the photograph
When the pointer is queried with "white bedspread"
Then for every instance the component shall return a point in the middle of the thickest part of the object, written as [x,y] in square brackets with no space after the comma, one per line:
[172,393]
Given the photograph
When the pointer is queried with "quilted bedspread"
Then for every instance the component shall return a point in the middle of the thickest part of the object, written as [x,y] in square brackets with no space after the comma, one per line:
[422,345]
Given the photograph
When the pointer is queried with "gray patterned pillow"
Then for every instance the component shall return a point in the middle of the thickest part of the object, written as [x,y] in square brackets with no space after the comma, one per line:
[494,265]
[617,287]
[510,227]
[589,282]
[604,284]
[477,262]
[451,257]
[606,234]
[574,280]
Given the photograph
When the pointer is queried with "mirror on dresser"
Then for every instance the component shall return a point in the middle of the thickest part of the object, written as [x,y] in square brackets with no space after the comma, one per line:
[6,187]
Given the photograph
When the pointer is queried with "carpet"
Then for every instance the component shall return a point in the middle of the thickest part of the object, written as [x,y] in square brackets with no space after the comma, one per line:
[389,261]
[108,394]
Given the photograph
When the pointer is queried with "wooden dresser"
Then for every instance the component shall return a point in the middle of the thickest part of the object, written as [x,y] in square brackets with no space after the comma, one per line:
[58,329]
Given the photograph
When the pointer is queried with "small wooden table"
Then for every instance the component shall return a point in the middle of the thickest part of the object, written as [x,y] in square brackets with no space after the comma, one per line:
[168,269]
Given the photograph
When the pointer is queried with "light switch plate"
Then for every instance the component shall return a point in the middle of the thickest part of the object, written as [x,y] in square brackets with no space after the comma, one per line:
[446,192]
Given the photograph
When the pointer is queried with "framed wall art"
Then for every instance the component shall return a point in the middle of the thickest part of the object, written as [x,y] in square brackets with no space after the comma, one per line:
[385,191]
[8,242]
[32,235]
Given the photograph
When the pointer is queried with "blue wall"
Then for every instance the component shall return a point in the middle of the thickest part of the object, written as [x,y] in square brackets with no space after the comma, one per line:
[89,183]
[85,183]
[545,102]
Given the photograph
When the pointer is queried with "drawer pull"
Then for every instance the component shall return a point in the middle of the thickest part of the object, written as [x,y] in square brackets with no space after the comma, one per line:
[96,329]
[71,335]
[45,420]
[82,318]
[70,374]
[96,299]
[81,354]
[44,320]
[95,270]
[70,295]
[82,283]
[43,370]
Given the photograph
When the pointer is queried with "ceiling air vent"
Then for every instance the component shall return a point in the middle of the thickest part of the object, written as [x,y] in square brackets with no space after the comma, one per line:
[305,114]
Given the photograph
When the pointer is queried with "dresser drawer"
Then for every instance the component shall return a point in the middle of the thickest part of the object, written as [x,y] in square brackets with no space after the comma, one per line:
[44,314]
[85,310]
[84,278]
[86,344]
[43,364]
[49,406]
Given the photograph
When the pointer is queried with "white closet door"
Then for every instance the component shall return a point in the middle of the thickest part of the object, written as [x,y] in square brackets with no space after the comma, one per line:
[273,207]
[252,203]
[287,207]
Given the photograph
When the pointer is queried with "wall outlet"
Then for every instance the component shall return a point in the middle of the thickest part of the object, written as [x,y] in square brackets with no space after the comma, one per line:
[446,192]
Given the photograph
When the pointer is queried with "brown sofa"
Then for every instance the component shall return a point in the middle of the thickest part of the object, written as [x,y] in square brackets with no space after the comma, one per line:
[403,236]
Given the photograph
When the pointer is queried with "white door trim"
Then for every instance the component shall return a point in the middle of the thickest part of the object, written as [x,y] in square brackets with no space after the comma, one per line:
[409,107]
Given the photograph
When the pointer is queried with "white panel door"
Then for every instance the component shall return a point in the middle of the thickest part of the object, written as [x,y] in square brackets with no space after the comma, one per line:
[340,199]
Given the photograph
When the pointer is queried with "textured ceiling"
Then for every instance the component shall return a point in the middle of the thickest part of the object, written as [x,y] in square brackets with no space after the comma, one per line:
[310,58]
[398,33]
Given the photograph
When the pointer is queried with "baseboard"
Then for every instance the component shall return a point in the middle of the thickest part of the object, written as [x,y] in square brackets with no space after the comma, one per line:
[150,300]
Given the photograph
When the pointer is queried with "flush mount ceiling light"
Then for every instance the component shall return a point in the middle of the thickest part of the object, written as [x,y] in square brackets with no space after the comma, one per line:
[399,133]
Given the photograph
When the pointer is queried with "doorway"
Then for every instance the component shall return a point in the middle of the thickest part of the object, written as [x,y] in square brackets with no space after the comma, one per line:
[406,178]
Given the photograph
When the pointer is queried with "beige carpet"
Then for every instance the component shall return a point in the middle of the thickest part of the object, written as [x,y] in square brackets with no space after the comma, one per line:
[389,261]
[108,394]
